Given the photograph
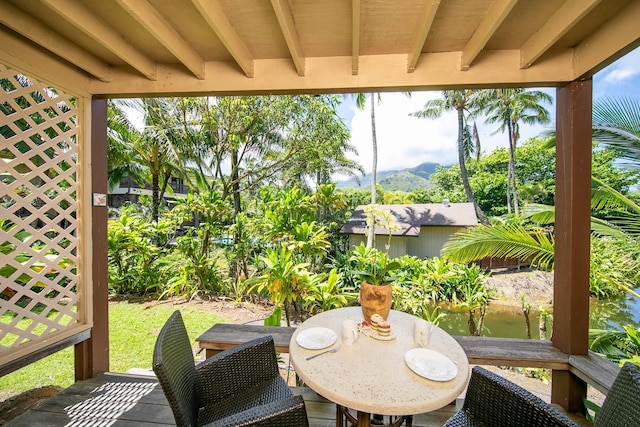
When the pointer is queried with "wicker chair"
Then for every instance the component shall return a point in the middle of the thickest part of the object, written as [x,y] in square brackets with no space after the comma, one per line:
[494,401]
[238,387]
[621,408]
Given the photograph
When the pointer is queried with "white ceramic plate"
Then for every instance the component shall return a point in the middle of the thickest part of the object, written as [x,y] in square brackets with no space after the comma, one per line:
[431,364]
[316,338]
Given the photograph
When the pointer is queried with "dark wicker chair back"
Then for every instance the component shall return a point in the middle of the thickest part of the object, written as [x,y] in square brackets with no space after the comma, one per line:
[240,386]
[494,401]
[174,366]
[621,408]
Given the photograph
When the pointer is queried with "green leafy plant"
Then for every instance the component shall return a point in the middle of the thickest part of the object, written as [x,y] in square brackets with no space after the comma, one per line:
[475,296]
[328,295]
[285,281]
[373,266]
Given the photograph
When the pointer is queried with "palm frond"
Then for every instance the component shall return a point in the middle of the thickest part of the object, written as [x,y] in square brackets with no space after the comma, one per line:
[501,241]
[604,196]
[538,213]
[616,123]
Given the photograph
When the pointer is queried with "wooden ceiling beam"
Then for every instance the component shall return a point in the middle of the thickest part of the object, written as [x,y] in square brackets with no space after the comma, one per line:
[420,36]
[617,37]
[158,27]
[498,11]
[288,27]
[378,73]
[21,56]
[568,15]
[84,20]
[37,32]
[213,13]
[355,37]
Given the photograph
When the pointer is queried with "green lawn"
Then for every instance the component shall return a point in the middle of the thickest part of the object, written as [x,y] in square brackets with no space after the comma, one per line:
[132,331]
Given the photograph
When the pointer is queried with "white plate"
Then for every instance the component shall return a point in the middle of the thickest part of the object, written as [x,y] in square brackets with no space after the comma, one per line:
[431,364]
[316,338]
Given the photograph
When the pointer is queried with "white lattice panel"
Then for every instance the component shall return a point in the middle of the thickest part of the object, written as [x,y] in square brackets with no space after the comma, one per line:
[39,213]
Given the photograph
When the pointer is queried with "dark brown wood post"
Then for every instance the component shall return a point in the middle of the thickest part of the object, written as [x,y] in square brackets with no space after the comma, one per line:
[92,356]
[572,236]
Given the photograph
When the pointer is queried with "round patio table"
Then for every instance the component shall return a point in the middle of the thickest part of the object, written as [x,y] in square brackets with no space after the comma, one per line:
[371,376]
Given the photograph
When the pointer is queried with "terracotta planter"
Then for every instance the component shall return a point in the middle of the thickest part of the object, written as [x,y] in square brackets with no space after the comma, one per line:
[375,299]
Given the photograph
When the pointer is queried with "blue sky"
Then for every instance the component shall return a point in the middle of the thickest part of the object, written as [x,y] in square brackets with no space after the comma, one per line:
[405,141]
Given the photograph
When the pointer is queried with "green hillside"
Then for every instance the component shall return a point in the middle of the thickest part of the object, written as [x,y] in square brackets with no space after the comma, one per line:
[405,180]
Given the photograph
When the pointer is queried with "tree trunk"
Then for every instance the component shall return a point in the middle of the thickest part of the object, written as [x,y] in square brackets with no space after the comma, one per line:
[463,170]
[542,324]
[235,182]
[374,167]
[155,202]
[512,191]
[471,323]
[514,186]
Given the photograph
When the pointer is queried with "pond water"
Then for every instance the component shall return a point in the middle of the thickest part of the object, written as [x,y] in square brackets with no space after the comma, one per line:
[510,323]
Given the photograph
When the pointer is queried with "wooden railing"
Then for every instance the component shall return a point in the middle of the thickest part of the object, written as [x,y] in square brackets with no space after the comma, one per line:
[592,369]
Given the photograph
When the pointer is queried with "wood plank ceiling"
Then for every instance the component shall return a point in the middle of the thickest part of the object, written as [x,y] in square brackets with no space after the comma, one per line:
[136,47]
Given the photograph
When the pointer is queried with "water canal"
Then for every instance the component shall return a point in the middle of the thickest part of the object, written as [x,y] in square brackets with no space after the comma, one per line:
[509,322]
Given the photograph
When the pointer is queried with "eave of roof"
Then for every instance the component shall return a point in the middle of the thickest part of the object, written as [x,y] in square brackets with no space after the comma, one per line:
[412,217]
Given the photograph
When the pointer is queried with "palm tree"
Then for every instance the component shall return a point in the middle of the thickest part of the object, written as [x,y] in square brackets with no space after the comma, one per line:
[616,123]
[157,146]
[509,107]
[462,101]
[360,99]
[122,160]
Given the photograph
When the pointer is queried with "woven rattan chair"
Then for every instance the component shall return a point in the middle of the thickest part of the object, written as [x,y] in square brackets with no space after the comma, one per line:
[621,408]
[493,401]
[238,387]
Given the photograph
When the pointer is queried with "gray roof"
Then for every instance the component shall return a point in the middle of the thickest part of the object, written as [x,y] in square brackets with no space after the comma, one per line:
[411,217]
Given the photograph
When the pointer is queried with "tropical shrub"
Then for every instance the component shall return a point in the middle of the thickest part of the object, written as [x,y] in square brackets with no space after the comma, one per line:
[132,254]
[617,346]
[285,282]
[328,295]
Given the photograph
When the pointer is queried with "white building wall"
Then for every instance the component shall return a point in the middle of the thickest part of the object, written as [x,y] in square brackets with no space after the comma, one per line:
[431,240]
[397,248]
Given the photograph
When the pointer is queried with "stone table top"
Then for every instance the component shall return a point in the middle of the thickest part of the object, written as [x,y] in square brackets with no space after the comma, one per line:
[372,375]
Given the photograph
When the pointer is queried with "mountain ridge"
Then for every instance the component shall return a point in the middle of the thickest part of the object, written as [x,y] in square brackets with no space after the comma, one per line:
[407,179]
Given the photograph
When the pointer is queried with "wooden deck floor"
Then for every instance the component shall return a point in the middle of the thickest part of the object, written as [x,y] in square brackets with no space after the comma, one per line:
[137,401]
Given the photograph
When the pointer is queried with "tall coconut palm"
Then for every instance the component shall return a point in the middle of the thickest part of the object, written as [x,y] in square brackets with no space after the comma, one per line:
[122,160]
[463,102]
[509,108]
[615,122]
[361,99]
[157,144]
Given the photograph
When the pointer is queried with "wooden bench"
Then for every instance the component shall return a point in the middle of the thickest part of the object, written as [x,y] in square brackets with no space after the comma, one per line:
[480,350]
[223,336]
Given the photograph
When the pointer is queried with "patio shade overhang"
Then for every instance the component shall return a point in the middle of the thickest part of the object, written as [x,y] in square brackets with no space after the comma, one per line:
[188,47]
[96,49]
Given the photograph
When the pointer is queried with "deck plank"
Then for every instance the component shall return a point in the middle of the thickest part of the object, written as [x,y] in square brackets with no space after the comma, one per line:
[121,400]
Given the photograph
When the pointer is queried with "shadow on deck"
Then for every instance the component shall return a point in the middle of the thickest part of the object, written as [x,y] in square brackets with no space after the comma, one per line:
[138,401]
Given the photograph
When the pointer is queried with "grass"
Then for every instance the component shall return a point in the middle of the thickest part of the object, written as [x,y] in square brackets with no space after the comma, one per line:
[133,329]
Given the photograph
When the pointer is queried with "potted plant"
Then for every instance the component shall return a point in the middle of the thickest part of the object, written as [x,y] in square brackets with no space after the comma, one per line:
[373,266]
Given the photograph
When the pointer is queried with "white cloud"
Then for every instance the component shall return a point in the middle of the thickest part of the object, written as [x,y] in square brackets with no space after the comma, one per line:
[620,78]
[405,141]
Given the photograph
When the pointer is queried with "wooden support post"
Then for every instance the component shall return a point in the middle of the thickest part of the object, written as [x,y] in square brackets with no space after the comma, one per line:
[92,356]
[572,236]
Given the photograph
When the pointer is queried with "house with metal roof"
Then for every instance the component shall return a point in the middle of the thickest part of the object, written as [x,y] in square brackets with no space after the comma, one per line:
[423,228]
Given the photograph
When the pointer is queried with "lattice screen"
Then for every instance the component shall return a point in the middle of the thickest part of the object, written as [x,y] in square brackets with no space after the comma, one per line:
[38,218]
